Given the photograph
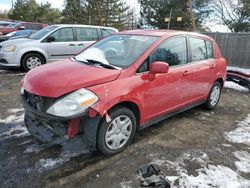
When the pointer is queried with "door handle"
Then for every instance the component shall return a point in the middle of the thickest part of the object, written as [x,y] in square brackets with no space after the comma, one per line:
[185,73]
[72,45]
[80,44]
[213,66]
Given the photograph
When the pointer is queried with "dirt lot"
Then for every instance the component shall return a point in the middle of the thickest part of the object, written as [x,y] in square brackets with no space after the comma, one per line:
[194,148]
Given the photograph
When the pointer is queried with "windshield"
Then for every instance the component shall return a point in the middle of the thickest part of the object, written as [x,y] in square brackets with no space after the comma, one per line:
[118,50]
[40,34]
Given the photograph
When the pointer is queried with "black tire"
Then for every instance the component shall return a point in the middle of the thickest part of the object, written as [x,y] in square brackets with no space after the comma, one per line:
[38,59]
[210,104]
[104,126]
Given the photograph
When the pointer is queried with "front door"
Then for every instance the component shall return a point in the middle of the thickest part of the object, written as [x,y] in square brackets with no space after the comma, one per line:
[63,46]
[170,91]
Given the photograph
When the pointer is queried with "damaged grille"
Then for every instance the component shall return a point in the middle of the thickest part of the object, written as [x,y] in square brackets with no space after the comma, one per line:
[38,102]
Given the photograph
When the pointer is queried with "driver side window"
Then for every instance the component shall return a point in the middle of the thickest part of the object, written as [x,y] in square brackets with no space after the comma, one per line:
[172,51]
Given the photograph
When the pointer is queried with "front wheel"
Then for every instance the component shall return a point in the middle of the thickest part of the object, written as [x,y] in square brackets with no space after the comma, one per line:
[214,96]
[115,135]
[32,60]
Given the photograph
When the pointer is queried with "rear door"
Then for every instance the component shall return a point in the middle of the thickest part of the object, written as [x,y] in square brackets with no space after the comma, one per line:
[64,45]
[203,65]
[85,36]
[170,91]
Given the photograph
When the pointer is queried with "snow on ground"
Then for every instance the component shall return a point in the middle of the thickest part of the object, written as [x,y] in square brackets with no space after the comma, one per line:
[13,126]
[247,71]
[15,110]
[208,175]
[235,86]
[50,163]
[243,165]
[241,134]
[214,176]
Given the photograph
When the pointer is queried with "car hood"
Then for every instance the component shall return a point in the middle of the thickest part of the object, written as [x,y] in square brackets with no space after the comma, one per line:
[61,77]
[16,41]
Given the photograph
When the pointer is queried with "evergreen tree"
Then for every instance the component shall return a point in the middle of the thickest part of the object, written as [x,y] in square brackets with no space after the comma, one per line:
[153,13]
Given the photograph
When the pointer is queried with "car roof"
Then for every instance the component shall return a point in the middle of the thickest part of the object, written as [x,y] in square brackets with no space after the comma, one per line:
[79,25]
[164,32]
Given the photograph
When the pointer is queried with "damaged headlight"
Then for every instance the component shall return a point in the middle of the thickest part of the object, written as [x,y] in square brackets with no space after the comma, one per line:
[73,104]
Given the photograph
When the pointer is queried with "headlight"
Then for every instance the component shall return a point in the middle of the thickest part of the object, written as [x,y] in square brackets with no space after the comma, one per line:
[9,48]
[73,104]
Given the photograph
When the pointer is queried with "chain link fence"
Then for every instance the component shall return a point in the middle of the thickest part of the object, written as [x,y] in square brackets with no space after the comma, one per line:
[235,47]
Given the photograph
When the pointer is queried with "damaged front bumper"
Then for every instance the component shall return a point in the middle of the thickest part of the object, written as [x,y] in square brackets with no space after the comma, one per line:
[52,130]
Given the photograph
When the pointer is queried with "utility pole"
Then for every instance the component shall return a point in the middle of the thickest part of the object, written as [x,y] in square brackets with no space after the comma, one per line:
[170,14]
[192,15]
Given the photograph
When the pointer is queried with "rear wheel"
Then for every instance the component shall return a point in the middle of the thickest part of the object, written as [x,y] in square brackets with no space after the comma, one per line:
[114,136]
[32,60]
[214,96]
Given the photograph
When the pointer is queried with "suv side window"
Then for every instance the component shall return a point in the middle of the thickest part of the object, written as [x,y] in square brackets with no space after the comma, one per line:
[106,32]
[63,35]
[210,52]
[198,49]
[86,34]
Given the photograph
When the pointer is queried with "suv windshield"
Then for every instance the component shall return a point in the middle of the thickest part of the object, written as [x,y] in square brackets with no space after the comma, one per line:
[40,34]
[118,50]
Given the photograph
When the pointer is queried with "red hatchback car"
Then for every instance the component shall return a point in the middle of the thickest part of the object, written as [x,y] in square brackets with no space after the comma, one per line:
[120,84]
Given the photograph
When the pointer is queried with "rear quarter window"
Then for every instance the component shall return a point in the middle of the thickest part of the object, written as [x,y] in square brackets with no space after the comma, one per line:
[106,32]
[210,52]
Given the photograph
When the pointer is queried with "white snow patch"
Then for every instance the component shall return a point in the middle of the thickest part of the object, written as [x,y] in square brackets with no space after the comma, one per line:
[12,126]
[34,148]
[126,184]
[48,164]
[13,119]
[243,165]
[14,131]
[246,71]
[235,86]
[241,134]
[15,110]
[214,176]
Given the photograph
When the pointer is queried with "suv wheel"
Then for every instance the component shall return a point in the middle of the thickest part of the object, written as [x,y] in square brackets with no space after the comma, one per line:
[32,60]
[214,96]
[114,136]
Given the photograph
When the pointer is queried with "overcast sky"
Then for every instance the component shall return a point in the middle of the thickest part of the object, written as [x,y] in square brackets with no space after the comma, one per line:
[6,5]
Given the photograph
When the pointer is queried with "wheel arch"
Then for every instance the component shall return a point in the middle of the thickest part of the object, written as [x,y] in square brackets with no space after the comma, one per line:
[34,51]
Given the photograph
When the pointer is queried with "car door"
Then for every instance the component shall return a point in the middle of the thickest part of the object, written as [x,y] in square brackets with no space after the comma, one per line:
[63,45]
[85,37]
[170,91]
[203,64]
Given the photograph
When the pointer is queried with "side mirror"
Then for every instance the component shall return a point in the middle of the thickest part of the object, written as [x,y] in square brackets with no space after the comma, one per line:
[158,67]
[50,39]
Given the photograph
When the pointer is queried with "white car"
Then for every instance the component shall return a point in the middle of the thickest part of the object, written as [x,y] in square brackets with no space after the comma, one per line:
[52,43]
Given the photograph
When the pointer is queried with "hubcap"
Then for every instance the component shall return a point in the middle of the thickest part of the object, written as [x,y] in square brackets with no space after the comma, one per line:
[33,62]
[118,132]
[215,95]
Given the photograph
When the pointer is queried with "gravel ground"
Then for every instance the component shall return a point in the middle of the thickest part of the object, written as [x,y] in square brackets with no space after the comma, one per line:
[197,148]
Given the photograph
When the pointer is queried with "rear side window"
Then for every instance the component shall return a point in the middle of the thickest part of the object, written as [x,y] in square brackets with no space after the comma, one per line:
[86,34]
[172,51]
[106,32]
[198,49]
[210,53]
[63,35]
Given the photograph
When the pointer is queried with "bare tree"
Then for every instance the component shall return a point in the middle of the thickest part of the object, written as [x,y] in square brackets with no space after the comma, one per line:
[235,14]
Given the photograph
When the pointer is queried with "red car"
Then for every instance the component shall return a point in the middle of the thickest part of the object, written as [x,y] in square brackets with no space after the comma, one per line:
[122,83]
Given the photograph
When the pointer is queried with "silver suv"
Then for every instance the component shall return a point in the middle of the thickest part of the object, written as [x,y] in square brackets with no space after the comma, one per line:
[49,44]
